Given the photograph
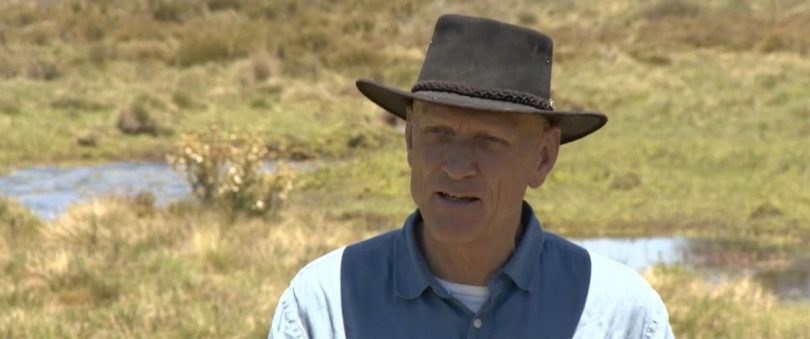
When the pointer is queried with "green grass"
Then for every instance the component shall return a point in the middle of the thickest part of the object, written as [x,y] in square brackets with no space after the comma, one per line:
[708,136]
[69,69]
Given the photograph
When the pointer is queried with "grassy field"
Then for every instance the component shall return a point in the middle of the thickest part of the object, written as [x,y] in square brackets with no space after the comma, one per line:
[709,136]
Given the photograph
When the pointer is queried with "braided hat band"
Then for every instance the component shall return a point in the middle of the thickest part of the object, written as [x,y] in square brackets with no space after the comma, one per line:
[485,93]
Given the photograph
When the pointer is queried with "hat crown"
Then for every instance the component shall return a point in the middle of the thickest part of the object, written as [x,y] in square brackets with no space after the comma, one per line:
[488,54]
[486,65]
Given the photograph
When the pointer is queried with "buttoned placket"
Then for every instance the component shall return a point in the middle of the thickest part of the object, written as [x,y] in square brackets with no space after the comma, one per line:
[478,325]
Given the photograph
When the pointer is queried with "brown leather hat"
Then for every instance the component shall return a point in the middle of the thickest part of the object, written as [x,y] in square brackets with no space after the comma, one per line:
[486,65]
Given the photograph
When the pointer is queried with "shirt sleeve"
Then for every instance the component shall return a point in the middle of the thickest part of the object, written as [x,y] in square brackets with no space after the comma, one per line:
[621,304]
[287,322]
[310,308]
[657,324]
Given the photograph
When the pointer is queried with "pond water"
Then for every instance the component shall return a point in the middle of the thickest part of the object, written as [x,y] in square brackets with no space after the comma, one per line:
[49,191]
[790,280]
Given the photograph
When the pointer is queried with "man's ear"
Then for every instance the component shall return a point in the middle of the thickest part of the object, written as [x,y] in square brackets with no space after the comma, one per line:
[408,127]
[549,147]
[409,120]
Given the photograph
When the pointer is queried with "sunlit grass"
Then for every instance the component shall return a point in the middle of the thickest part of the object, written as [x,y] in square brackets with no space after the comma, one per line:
[105,268]
[737,308]
[108,269]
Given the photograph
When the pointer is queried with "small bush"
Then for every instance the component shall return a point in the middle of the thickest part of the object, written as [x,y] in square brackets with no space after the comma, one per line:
[17,223]
[139,27]
[225,170]
[262,67]
[626,181]
[40,33]
[670,8]
[44,68]
[185,100]
[209,41]
[145,115]
[92,26]
[173,10]
[141,50]
[68,102]
[99,53]
[9,67]
[221,5]
[10,106]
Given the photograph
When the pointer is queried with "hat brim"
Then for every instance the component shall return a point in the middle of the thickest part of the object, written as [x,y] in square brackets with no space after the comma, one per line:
[573,125]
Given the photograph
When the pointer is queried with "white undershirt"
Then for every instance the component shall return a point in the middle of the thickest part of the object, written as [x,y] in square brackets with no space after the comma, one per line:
[471,296]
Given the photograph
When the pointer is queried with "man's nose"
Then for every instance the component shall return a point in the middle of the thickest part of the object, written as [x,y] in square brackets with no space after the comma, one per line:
[459,162]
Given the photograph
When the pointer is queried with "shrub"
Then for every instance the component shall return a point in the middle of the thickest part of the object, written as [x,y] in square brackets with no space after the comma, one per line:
[221,5]
[262,67]
[79,103]
[40,33]
[44,68]
[141,50]
[9,105]
[217,40]
[225,170]
[145,115]
[9,67]
[185,100]
[669,8]
[17,223]
[172,10]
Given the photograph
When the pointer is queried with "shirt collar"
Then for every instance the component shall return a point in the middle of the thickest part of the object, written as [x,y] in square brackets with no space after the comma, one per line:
[412,275]
[522,266]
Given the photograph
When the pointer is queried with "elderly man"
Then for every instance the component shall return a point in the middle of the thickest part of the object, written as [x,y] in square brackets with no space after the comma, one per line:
[473,260]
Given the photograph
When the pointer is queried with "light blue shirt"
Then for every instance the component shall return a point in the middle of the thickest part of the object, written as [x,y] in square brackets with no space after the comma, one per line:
[549,288]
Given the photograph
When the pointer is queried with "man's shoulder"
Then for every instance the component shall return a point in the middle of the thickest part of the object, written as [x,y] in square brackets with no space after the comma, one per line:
[375,245]
[319,274]
[326,269]
[562,245]
[621,301]
[612,280]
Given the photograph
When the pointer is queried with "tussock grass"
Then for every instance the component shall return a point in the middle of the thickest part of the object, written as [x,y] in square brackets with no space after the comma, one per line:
[108,269]
[738,308]
[105,269]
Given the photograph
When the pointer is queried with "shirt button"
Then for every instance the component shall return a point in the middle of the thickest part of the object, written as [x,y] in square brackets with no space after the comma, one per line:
[477,323]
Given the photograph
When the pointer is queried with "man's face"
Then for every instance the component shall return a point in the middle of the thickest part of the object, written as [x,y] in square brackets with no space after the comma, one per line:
[470,169]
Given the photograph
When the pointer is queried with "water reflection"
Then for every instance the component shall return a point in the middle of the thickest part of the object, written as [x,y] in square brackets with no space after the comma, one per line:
[718,258]
[792,282]
[49,191]
[639,253]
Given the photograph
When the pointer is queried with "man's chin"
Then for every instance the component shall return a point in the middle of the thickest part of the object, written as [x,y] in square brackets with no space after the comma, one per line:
[455,231]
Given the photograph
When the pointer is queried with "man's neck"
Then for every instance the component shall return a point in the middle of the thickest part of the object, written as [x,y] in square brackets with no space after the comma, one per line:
[470,263]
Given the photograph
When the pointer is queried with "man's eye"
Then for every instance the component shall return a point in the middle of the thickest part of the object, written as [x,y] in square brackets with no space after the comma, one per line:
[442,132]
[493,140]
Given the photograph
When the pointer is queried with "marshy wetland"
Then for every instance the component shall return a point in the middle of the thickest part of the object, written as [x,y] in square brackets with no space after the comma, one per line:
[701,179]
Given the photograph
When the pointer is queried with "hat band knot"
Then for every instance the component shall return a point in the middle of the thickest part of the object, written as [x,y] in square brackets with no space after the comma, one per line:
[515,97]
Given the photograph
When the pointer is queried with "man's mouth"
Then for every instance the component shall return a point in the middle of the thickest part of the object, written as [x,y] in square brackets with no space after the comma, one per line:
[456,198]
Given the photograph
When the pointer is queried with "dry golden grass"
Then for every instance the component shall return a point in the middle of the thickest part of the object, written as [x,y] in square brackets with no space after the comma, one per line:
[107,269]
[737,308]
